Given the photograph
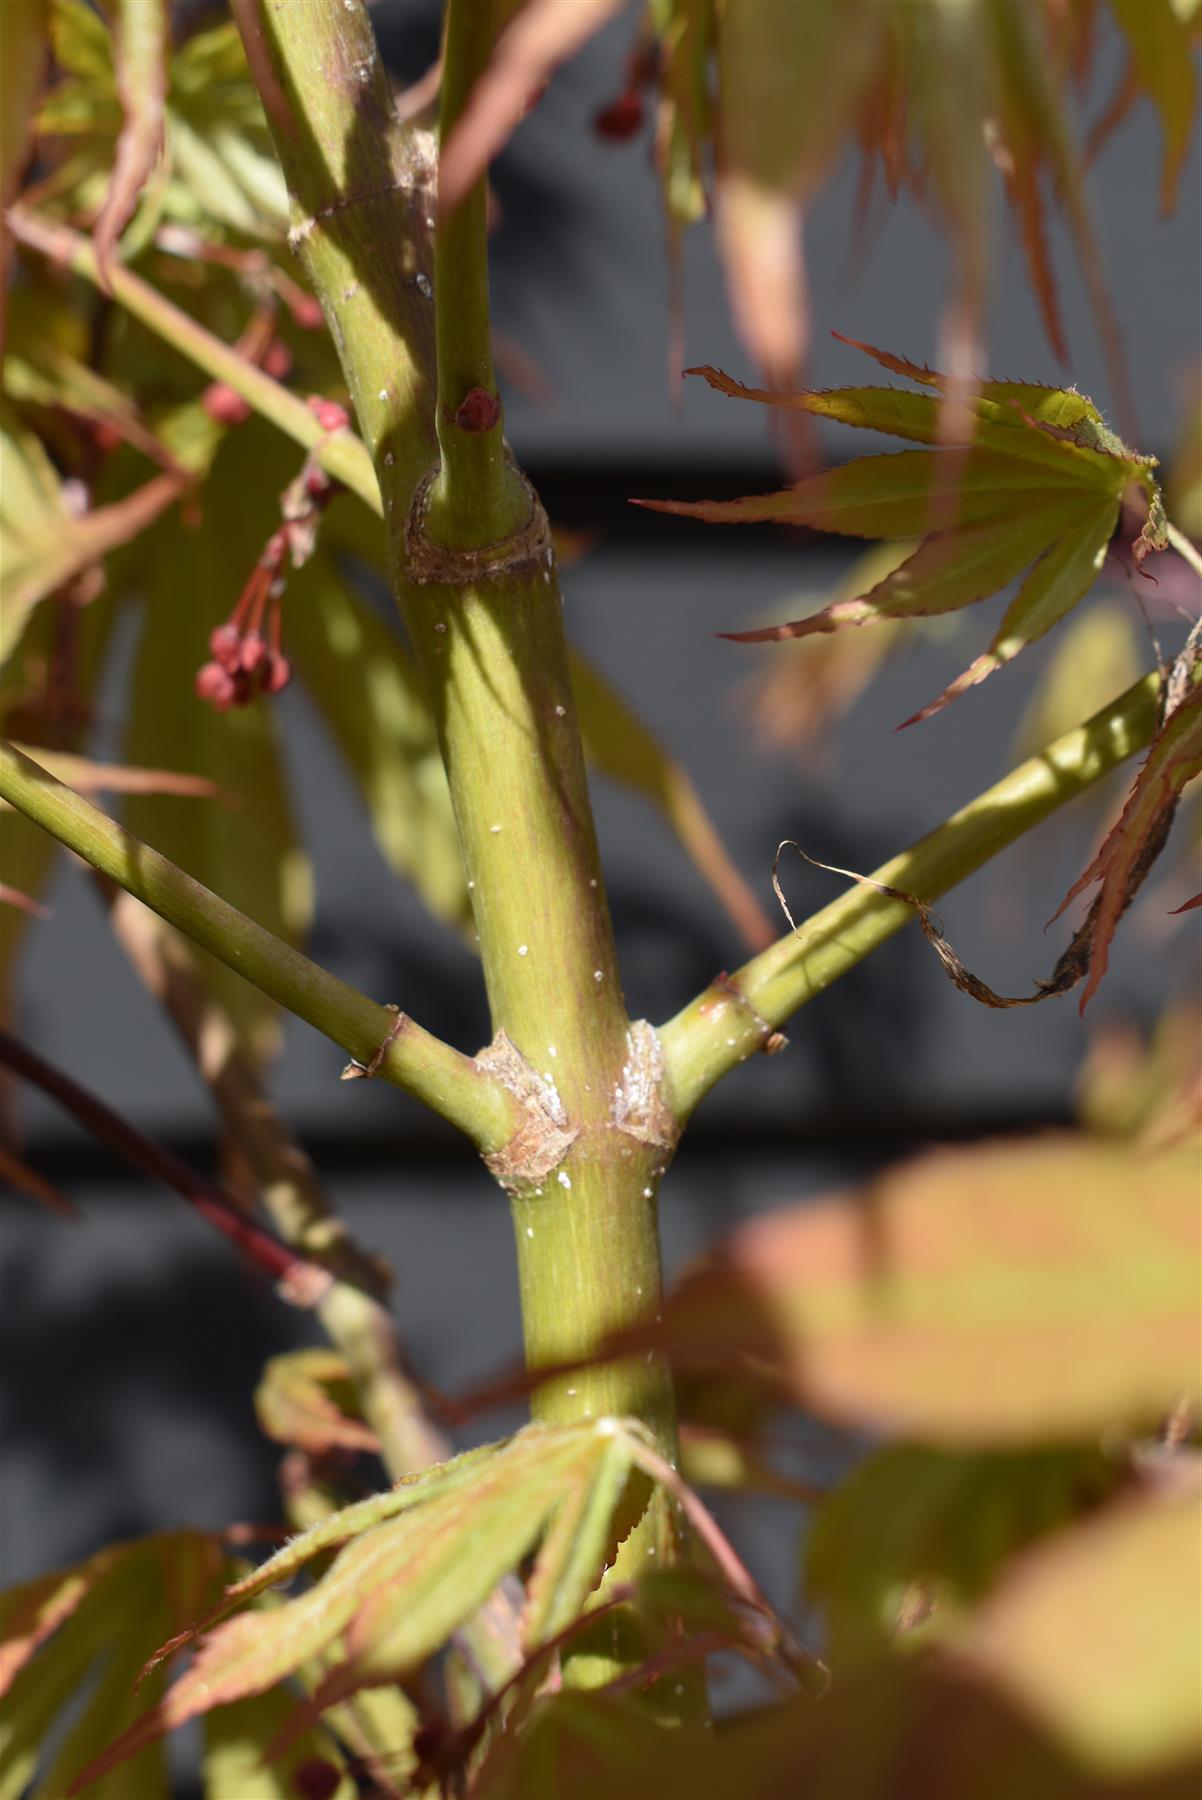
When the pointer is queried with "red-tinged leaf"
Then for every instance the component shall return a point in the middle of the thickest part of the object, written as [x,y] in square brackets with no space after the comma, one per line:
[1097,1637]
[1190,906]
[790,79]
[1138,837]
[394,1594]
[1003,1294]
[19,1175]
[307,1398]
[541,36]
[1063,575]
[1162,57]
[142,43]
[33,1612]
[951,569]
[899,495]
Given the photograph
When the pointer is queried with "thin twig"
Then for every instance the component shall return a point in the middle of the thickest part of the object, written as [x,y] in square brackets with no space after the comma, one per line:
[304,1282]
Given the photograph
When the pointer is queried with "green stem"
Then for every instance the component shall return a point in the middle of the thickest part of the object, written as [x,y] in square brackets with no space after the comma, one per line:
[483,611]
[340,454]
[476,497]
[448,1082]
[736,1015]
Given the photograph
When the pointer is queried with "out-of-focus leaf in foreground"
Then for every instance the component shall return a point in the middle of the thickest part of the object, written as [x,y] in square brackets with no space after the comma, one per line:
[1007,1294]
[1098,1636]
[98,1619]
[1038,487]
[917,1532]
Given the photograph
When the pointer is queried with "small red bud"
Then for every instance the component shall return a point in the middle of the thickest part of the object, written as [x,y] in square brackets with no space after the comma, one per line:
[106,437]
[277,359]
[478,410]
[621,119]
[244,691]
[223,405]
[276,673]
[226,645]
[216,685]
[307,313]
[329,415]
[317,482]
[254,649]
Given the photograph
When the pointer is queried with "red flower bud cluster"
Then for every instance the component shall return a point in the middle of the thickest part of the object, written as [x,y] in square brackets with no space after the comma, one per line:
[246,657]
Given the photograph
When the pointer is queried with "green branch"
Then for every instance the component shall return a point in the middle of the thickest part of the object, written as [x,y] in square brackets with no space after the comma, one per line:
[477,497]
[736,1015]
[340,454]
[448,1082]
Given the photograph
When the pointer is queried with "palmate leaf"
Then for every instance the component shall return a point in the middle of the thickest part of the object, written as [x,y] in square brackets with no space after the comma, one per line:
[1038,487]
[99,1616]
[416,1561]
[935,1300]
[238,1766]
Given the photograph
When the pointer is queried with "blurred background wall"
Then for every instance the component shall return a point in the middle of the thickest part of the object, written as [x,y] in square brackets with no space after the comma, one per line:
[133,1338]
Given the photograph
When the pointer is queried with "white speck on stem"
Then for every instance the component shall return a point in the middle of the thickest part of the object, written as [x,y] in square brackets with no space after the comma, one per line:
[571,1392]
[494,829]
[592,881]
[425,285]
[529,1231]
[561,712]
[598,975]
[523,949]
[730,1042]
[470,886]
[564,1179]
[647,1194]
[439,625]
[383,393]
[551,1050]
[389,459]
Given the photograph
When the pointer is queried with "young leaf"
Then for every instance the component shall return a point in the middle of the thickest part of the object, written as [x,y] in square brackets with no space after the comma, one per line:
[936,1300]
[307,1398]
[1139,835]
[1040,481]
[105,1613]
[393,1594]
[142,43]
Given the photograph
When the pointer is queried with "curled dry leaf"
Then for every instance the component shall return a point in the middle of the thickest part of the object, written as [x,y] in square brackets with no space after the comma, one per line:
[307,1398]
